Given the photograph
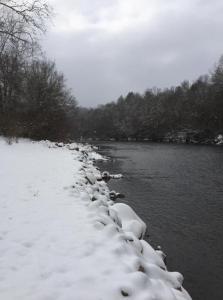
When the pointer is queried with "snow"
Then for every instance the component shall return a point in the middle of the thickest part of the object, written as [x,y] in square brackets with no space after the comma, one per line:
[130,221]
[219,139]
[61,238]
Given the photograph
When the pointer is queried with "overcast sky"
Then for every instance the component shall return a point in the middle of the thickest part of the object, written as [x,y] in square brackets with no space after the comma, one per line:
[107,48]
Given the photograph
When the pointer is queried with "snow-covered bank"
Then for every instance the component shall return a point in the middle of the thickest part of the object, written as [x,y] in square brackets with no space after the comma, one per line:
[61,237]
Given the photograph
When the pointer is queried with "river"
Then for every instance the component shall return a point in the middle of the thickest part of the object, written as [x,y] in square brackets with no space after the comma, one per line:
[178,191]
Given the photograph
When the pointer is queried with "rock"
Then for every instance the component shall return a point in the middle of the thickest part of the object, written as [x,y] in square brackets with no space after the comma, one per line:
[130,221]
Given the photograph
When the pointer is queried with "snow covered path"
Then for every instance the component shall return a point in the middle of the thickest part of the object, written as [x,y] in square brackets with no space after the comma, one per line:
[58,244]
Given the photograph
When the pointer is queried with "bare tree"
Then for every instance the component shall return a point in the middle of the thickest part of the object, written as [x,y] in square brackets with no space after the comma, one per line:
[22,21]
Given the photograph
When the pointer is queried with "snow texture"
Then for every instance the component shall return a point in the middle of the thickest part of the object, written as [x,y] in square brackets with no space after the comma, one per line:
[61,238]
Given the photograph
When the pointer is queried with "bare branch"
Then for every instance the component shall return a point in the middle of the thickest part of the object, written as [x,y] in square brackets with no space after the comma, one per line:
[23,21]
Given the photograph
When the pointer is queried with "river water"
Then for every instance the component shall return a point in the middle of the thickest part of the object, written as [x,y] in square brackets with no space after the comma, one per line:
[178,191]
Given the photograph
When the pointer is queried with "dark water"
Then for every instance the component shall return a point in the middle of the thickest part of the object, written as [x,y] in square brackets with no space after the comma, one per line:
[178,191]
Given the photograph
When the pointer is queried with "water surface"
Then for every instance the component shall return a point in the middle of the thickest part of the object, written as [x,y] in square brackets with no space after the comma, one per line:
[178,191]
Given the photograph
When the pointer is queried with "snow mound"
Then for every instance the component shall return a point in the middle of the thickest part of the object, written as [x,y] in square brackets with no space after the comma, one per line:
[130,221]
[62,238]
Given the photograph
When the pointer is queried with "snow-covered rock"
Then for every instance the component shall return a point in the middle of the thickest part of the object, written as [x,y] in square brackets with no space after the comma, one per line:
[219,139]
[130,221]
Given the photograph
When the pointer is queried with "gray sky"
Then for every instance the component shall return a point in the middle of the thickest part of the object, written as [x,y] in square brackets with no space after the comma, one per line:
[107,48]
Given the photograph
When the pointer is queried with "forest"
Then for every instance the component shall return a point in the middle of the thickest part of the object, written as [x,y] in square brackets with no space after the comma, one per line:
[36,103]
[192,112]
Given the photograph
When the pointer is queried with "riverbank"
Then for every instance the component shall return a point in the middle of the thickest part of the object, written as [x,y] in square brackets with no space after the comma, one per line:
[61,237]
[194,137]
[177,190]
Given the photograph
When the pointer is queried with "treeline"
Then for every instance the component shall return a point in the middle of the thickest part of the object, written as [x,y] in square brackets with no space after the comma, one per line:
[35,102]
[196,109]
[34,99]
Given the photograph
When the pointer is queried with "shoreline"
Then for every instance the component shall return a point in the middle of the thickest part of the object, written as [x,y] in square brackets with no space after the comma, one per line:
[77,234]
[158,256]
[97,140]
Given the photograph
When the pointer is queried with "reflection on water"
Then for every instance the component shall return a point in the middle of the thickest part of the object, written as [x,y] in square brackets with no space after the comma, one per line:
[178,191]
